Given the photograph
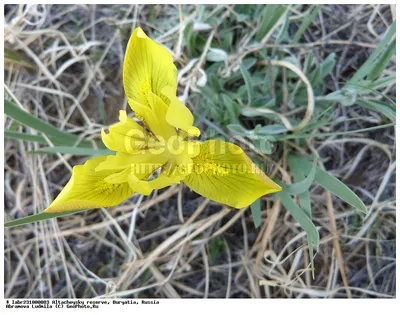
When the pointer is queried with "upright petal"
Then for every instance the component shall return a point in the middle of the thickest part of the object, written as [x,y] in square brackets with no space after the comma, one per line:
[148,66]
[178,115]
[222,172]
[88,189]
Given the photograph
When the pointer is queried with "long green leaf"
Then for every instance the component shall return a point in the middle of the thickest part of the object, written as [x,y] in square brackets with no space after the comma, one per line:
[332,184]
[367,67]
[379,107]
[13,57]
[298,175]
[300,217]
[248,82]
[272,13]
[57,136]
[305,222]
[256,212]
[306,22]
[383,61]
[38,217]
[24,136]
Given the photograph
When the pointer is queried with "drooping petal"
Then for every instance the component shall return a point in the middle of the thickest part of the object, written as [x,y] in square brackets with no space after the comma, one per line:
[126,136]
[88,189]
[148,66]
[222,172]
[145,187]
[142,164]
[178,115]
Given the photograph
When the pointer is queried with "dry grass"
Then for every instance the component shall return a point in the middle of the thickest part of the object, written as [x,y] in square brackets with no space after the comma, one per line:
[161,245]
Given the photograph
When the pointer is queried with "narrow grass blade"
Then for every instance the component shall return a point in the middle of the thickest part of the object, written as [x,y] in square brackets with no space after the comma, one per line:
[304,197]
[300,217]
[266,20]
[256,212]
[24,137]
[73,151]
[379,107]
[366,68]
[273,129]
[305,222]
[248,82]
[332,184]
[383,61]
[57,136]
[38,217]
[306,22]
[13,57]
[232,107]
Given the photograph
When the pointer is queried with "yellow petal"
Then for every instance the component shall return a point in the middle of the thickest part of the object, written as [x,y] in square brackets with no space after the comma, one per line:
[222,172]
[146,187]
[88,189]
[126,136]
[154,116]
[142,164]
[148,66]
[178,115]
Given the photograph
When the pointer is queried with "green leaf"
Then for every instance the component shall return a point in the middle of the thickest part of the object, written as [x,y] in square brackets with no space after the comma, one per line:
[332,184]
[13,57]
[238,130]
[24,137]
[319,73]
[73,151]
[187,33]
[270,16]
[216,55]
[248,82]
[273,129]
[305,184]
[308,62]
[383,82]
[306,23]
[368,65]
[38,217]
[304,197]
[256,212]
[283,33]
[384,109]
[383,61]
[216,246]
[305,222]
[57,136]
[231,106]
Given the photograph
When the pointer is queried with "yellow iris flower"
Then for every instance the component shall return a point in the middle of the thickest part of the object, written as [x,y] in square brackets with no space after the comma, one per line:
[161,153]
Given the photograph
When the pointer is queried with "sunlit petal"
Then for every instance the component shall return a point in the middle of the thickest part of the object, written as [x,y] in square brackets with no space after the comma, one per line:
[146,187]
[148,66]
[222,172]
[154,117]
[178,115]
[88,189]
